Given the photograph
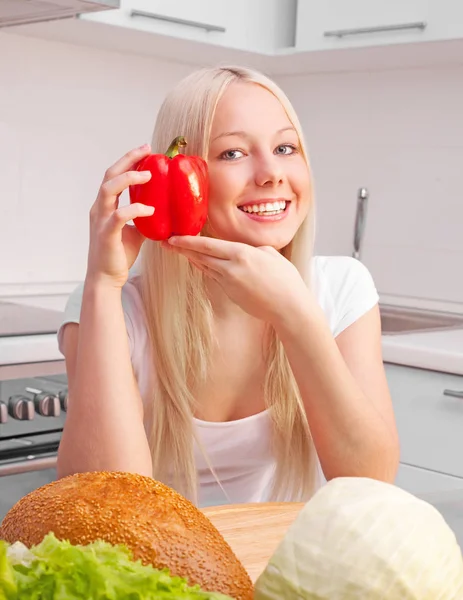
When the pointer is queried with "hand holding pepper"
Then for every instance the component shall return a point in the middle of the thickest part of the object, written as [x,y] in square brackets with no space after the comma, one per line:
[178,189]
[114,245]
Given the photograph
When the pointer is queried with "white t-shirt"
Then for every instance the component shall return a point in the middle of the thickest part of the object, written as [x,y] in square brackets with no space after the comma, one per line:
[240,451]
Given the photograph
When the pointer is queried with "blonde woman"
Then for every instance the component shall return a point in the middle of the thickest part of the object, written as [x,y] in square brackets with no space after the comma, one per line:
[235,366]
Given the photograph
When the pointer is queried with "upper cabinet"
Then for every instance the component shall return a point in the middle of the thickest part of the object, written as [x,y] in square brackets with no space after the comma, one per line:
[262,26]
[331,24]
[279,37]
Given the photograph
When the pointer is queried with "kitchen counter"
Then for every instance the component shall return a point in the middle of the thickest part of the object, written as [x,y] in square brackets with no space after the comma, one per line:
[24,349]
[268,524]
[435,350]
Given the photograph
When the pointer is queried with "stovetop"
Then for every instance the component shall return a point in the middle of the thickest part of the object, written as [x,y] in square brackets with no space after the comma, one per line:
[32,415]
[19,319]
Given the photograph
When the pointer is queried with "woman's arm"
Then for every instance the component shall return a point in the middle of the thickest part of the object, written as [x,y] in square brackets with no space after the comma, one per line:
[344,390]
[104,424]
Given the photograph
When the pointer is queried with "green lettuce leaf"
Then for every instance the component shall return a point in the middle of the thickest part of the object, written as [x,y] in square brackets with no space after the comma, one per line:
[8,587]
[98,571]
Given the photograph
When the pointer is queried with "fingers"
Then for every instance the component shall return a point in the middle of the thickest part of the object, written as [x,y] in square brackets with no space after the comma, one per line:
[113,187]
[198,258]
[108,197]
[119,177]
[123,215]
[221,249]
[206,270]
[127,161]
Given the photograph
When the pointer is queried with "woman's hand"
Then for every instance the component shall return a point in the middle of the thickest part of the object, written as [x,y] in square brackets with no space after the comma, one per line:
[259,280]
[115,245]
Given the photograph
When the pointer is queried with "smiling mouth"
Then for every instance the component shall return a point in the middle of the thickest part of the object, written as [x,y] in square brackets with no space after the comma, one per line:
[266,209]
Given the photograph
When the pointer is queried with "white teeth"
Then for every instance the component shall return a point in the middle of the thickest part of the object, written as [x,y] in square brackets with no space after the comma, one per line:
[267,208]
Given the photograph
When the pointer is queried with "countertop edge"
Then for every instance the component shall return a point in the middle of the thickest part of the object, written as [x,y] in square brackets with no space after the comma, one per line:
[401,350]
[441,360]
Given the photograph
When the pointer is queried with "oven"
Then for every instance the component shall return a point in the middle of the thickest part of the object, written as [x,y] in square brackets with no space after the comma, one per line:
[33,400]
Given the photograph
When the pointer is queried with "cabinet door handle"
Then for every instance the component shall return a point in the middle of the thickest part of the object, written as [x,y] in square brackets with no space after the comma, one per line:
[186,22]
[340,33]
[454,393]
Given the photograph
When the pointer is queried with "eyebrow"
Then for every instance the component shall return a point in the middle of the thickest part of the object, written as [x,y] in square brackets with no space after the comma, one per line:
[245,135]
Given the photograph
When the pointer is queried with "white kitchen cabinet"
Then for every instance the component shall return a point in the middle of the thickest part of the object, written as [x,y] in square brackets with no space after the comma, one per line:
[428,407]
[421,481]
[15,487]
[257,26]
[331,24]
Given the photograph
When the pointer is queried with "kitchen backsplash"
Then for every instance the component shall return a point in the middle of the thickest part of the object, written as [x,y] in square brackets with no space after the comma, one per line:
[68,112]
[399,134]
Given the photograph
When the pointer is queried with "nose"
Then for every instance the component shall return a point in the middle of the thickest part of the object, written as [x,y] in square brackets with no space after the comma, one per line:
[268,171]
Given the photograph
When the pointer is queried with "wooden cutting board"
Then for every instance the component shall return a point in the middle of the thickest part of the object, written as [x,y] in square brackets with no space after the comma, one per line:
[254,530]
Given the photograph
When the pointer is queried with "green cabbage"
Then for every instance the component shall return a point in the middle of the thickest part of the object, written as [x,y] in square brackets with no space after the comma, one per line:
[57,570]
[361,539]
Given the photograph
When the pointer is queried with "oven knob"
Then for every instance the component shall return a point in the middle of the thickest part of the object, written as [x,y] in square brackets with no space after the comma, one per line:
[21,408]
[63,396]
[3,413]
[47,405]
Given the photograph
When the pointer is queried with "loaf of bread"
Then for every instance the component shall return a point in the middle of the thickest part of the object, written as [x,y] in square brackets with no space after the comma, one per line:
[158,525]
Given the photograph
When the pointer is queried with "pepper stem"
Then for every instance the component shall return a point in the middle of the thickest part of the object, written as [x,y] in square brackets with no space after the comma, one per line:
[174,148]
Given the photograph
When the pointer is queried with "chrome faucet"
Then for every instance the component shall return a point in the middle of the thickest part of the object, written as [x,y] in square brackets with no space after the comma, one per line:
[360,220]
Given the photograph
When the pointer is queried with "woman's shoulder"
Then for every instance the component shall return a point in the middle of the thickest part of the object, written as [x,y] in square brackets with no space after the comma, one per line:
[339,269]
[344,288]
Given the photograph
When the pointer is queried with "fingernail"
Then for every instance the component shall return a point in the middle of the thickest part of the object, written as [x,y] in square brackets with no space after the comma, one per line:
[144,147]
[145,173]
[172,240]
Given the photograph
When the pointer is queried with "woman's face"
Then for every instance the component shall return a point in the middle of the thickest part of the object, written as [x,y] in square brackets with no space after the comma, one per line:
[259,180]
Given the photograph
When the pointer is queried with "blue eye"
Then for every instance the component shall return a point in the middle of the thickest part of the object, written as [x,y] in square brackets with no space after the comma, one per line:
[285,149]
[231,154]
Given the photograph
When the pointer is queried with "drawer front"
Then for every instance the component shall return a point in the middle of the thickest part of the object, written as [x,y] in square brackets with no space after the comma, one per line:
[260,26]
[14,487]
[195,20]
[191,16]
[420,481]
[325,24]
[428,406]
[330,24]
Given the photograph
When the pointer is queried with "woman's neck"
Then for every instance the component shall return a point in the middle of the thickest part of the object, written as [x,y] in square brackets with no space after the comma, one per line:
[226,311]
[222,306]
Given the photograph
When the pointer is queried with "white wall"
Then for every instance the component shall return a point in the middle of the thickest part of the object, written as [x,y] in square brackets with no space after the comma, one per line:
[400,134]
[67,112]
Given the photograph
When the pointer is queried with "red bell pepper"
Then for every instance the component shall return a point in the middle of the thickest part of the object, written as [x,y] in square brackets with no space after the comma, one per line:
[178,190]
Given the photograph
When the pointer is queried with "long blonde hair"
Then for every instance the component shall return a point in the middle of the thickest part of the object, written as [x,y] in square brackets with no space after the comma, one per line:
[179,315]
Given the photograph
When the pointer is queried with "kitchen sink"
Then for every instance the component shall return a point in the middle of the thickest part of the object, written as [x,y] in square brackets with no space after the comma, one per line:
[400,319]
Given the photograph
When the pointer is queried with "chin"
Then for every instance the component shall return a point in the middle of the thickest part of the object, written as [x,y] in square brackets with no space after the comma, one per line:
[278,234]
[275,239]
